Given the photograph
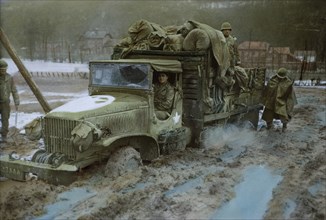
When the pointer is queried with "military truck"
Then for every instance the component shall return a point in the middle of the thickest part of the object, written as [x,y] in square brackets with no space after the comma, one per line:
[120,111]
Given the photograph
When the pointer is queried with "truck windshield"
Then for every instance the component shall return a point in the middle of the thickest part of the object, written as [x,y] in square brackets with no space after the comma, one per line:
[120,75]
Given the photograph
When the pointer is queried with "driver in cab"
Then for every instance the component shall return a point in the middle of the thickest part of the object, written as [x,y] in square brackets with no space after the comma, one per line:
[163,97]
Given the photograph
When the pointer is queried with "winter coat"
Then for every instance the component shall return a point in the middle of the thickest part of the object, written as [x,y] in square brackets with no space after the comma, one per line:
[280,97]
[163,96]
[8,86]
[233,50]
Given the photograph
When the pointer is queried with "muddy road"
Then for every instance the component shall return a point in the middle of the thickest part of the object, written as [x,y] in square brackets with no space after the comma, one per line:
[239,174]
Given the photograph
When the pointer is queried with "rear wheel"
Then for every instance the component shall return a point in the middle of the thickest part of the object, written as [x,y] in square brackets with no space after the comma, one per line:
[122,161]
[253,117]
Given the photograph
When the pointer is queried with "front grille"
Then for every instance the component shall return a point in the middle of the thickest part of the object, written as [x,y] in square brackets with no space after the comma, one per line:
[57,133]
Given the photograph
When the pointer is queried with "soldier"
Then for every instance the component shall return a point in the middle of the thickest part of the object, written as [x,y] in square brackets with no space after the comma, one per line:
[163,97]
[234,71]
[279,99]
[231,42]
[7,86]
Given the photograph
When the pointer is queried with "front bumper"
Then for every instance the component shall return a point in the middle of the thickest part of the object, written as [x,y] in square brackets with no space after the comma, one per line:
[21,170]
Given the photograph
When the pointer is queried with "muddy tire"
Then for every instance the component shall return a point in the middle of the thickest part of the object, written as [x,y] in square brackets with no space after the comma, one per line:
[121,161]
[253,118]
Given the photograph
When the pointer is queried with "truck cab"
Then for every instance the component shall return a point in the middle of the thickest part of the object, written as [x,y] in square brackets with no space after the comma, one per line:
[118,112]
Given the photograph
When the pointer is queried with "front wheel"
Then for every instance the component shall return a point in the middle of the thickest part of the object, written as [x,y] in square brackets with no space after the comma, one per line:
[122,161]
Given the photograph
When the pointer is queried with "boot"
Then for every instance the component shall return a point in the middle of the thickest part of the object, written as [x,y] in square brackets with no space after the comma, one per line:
[269,125]
[284,127]
[3,139]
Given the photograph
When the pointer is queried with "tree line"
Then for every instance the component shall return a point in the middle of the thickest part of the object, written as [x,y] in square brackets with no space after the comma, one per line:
[298,24]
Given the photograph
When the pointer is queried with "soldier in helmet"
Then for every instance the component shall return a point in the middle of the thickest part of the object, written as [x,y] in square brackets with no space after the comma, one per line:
[163,97]
[234,71]
[231,42]
[279,99]
[7,86]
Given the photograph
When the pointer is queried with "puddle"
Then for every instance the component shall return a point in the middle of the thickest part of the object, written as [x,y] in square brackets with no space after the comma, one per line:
[192,183]
[66,201]
[229,156]
[289,208]
[138,186]
[321,118]
[314,189]
[252,195]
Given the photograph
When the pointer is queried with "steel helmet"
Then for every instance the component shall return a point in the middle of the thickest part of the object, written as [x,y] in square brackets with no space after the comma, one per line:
[281,73]
[226,26]
[3,64]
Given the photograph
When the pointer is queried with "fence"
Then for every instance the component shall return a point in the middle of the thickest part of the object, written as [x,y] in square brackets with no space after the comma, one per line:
[81,75]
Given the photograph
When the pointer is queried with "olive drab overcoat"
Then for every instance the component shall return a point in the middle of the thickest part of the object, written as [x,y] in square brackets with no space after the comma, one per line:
[163,96]
[233,50]
[279,98]
[8,86]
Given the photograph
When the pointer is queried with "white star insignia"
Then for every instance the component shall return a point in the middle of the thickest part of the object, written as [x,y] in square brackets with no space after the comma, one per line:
[176,118]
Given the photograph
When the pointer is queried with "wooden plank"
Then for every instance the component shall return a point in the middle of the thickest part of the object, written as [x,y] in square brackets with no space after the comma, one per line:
[189,76]
[223,115]
[190,91]
[190,86]
[189,81]
[190,67]
[190,96]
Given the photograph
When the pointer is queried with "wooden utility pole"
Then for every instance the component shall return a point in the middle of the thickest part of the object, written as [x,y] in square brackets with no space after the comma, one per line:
[249,49]
[304,62]
[22,69]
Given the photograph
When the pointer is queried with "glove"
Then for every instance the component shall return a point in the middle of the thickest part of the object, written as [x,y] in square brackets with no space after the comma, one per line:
[16,107]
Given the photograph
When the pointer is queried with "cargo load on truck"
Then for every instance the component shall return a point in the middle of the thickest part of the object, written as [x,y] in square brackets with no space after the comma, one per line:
[190,38]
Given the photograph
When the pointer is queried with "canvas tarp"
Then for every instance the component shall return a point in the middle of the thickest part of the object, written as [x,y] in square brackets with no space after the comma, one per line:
[141,29]
[218,44]
[169,66]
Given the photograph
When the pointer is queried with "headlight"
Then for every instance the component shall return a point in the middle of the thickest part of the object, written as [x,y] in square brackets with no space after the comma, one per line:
[83,135]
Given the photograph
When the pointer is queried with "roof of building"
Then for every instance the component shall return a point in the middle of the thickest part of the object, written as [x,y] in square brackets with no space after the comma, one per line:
[281,50]
[256,45]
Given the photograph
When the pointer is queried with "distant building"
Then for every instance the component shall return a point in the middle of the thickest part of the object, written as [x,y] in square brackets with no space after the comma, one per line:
[308,59]
[96,44]
[307,55]
[281,57]
[261,54]
[253,53]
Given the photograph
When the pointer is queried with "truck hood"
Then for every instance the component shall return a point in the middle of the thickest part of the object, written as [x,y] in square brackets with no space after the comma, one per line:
[98,105]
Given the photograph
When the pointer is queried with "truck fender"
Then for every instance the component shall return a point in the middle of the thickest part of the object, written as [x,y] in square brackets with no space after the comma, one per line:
[146,144]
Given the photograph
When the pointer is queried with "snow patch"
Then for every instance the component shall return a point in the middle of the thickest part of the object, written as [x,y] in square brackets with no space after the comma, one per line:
[45,66]
[22,118]
[85,104]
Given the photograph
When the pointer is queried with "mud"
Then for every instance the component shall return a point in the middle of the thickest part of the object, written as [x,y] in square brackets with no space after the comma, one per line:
[280,176]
